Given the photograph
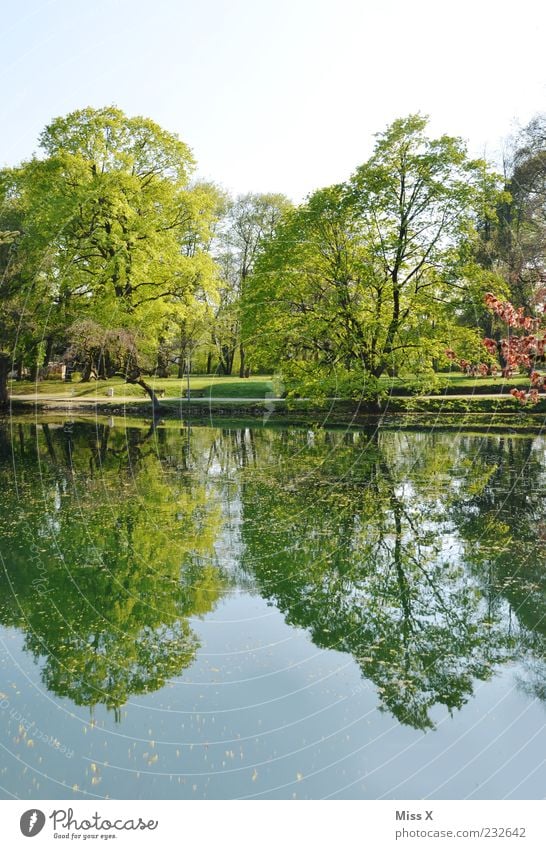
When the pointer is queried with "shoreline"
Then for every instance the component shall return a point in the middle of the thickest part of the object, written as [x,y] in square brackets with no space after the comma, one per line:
[484,415]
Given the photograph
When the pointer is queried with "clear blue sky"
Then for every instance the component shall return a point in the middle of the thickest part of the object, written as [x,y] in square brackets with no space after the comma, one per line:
[274,95]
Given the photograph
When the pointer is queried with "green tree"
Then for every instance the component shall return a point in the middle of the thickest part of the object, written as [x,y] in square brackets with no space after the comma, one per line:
[114,225]
[520,238]
[250,221]
[511,243]
[23,300]
[365,277]
[7,330]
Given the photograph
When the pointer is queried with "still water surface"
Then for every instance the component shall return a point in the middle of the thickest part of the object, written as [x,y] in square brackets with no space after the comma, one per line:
[266,613]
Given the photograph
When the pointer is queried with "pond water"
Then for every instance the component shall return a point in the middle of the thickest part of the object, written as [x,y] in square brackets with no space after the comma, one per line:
[226,612]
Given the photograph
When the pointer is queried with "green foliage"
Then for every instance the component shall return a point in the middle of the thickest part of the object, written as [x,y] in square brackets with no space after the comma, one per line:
[112,536]
[112,226]
[371,278]
[104,592]
[345,534]
[249,221]
[365,276]
[24,301]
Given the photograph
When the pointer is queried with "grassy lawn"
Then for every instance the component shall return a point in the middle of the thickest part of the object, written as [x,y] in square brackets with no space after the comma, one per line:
[214,387]
[466,383]
[256,387]
[461,384]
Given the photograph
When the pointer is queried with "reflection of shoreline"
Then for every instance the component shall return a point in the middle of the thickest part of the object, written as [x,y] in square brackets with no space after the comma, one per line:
[470,418]
[343,532]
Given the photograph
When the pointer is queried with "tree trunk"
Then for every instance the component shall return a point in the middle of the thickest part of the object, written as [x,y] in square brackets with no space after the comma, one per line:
[4,371]
[226,359]
[89,372]
[138,380]
[242,361]
[162,369]
[49,350]
[183,354]
[209,362]
[102,367]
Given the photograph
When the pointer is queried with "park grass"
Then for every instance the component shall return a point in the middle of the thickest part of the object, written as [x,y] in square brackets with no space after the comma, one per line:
[456,383]
[457,394]
[212,386]
[259,386]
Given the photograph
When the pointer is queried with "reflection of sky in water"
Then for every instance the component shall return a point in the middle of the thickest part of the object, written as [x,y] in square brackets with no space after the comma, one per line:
[267,707]
[263,713]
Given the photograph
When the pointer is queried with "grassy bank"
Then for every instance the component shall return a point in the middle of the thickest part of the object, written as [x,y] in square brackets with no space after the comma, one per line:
[211,387]
[260,386]
[212,395]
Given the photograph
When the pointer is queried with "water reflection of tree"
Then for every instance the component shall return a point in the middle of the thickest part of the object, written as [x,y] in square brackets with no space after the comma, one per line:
[501,519]
[418,554]
[352,538]
[107,555]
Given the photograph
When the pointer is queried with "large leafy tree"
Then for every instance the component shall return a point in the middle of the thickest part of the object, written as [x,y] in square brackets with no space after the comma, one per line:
[365,276]
[115,227]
